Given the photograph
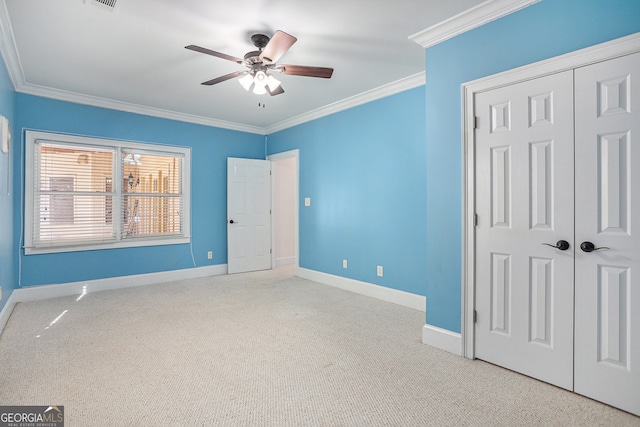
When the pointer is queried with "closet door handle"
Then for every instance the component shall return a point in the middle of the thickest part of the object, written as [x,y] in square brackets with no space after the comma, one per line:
[563,245]
[590,247]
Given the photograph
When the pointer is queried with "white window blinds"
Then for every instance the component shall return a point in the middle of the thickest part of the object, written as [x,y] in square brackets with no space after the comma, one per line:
[88,193]
[73,194]
[151,194]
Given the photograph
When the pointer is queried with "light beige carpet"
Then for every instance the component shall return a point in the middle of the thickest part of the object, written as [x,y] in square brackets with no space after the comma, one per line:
[260,349]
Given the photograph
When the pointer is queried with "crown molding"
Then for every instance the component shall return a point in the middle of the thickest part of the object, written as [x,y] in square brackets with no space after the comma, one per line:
[472,18]
[79,98]
[8,48]
[393,88]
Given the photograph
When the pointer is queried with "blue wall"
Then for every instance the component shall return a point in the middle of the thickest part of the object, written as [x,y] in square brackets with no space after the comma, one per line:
[8,251]
[364,170]
[544,30]
[384,190]
[210,149]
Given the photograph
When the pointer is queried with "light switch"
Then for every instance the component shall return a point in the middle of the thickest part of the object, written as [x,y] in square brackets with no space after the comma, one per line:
[307,201]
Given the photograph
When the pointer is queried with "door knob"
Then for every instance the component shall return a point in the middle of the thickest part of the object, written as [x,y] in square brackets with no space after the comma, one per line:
[563,245]
[590,247]
[231,221]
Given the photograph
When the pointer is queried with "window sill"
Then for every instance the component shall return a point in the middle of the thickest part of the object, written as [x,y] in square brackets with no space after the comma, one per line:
[130,243]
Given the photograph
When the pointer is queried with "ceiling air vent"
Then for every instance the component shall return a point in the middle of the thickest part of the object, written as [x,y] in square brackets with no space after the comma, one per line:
[109,5]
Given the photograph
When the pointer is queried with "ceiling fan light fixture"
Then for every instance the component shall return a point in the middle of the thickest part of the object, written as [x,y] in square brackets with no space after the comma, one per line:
[272,82]
[246,81]
[259,90]
[260,79]
[260,83]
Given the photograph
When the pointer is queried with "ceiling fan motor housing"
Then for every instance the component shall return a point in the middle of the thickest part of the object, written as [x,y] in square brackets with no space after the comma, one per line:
[259,40]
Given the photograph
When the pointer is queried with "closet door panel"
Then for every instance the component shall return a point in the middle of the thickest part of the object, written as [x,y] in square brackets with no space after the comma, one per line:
[607,291]
[524,199]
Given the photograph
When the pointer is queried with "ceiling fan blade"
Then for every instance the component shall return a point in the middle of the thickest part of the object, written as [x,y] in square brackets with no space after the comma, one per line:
[277,46]
[224,78]
[301,70]
[214,53]
[276,91]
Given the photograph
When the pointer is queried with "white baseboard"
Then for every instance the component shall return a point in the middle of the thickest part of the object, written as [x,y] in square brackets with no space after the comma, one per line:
[285,261]
[35,293]
[6,311]
[406,299]
[442,339]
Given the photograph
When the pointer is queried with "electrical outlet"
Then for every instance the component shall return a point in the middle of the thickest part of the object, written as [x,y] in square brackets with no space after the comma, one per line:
[380,271]
[307,201]
[344,263]
[210,255]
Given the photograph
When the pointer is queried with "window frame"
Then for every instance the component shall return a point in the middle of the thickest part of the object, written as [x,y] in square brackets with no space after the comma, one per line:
[117,182]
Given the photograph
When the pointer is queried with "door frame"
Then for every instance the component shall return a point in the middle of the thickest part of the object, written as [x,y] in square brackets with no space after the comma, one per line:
[598,53]
[292,154]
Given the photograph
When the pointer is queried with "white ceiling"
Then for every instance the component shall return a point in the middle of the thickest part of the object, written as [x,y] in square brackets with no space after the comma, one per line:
[134,56]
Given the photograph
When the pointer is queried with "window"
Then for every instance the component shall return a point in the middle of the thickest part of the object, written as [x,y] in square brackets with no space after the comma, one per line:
[87,193]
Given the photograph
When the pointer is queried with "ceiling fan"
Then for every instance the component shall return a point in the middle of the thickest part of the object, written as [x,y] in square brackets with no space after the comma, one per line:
[263,60]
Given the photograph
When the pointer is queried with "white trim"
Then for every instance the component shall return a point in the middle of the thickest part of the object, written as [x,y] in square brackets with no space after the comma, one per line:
[295,154]
[78,98]
[384,91]
[37,293]
[395,296]
[8,48]
[442,339]
[393,88]
[471,18]
[389,89]
[7,310]
[285,261]
[468,230]
[580,58]
[124,243]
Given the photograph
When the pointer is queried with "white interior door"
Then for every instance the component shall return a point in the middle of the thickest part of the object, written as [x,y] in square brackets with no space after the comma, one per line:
[524,200]
[248,215]
[607,293]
